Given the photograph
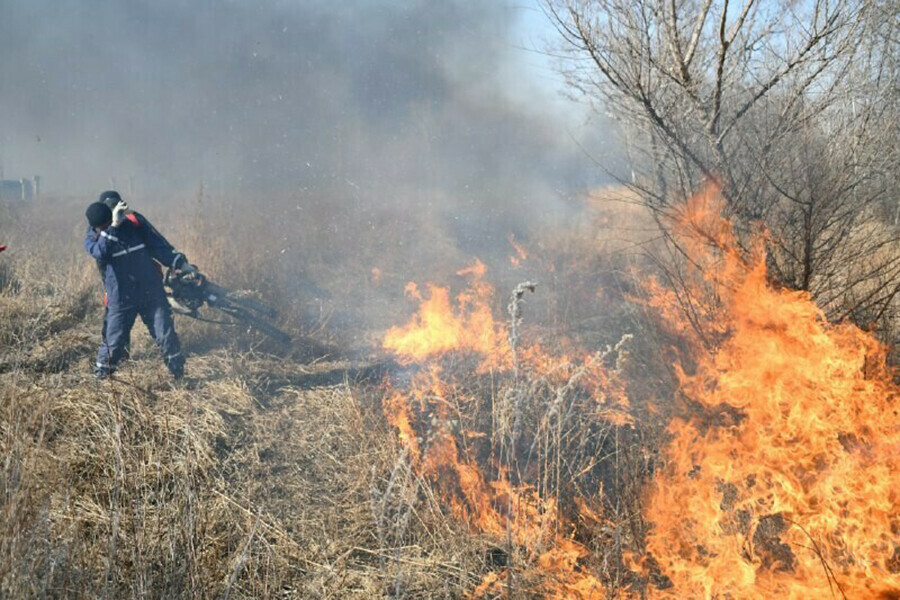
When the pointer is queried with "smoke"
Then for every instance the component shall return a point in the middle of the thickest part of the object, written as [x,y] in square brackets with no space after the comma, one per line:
[415,104]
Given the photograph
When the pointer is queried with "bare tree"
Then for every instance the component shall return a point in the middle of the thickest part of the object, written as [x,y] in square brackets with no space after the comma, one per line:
[790,106]
[689,73]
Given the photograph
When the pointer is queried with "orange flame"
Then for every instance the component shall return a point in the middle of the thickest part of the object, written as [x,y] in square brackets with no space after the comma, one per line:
[788,485]
[783,481]
[440,327]
[423,414]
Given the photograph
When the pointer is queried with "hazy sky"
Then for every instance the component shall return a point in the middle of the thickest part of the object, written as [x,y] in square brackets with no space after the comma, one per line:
[395,98]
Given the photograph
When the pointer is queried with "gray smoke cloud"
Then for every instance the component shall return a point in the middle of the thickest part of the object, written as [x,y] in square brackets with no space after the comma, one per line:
[417,103]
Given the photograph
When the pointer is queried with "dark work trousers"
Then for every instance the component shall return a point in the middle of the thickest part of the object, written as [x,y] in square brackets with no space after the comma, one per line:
[126,353]
[157,316]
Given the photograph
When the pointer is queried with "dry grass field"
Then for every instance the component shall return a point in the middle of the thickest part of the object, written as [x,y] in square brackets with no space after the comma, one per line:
[257,477]
[270,472]
[604,436]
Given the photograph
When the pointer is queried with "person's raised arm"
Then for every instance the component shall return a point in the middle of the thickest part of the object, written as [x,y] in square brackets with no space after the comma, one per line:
[100,244]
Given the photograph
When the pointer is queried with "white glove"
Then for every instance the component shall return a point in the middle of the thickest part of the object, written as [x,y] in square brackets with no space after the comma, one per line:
[189,268]
[119,213]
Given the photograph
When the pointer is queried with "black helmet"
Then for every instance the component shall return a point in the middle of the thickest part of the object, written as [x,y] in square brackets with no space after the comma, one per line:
[110,198]
[98,214]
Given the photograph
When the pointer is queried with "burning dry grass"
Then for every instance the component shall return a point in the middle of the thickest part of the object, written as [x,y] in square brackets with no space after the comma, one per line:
[525,445]
[735,445]
[782,474]
[780,463]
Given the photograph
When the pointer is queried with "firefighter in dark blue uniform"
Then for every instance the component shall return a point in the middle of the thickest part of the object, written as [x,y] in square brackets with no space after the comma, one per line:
[126,252]
[111,198]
